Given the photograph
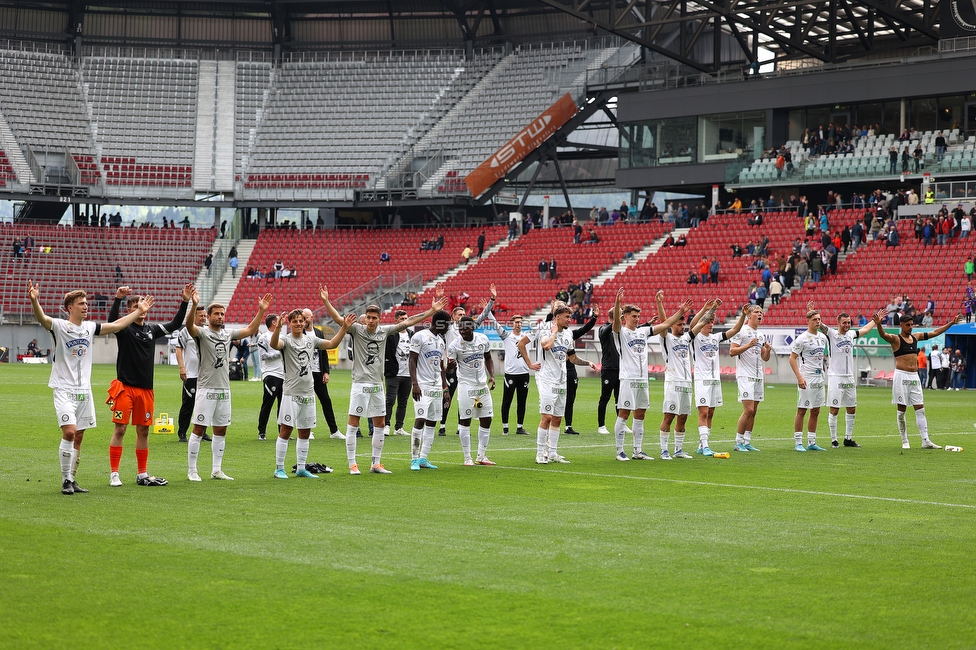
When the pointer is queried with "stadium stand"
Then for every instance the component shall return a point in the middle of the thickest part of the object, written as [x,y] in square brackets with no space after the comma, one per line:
[364,109]
[153,261]
[346,261]
[868,278]
[514,268]
[669,268]
[143,118]
[6,169]
[55,119]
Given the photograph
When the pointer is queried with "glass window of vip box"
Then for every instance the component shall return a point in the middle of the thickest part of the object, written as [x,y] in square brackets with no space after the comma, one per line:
[732,136]
[659,142]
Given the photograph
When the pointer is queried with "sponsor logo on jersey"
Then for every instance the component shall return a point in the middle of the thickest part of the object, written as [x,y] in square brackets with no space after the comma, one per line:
[370,390]
[299,399]
[216,395]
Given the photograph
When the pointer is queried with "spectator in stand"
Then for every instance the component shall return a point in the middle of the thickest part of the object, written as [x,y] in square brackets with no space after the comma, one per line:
[594,238]
[466,254]
[968,269]
[816,268]
[577,231]
[552,268]
[384,257]
[232,262]
[918,155]
[692,278]
[775,290]
[207,263]
[713,270]
[892,160]
[669,241]
[118,273]
[681,240]
[905,157]
[481,243]
[736,250]
[278,267]
[736,206]
[756,220]
[893,238]
[703,269]
[940,147]
[845,238]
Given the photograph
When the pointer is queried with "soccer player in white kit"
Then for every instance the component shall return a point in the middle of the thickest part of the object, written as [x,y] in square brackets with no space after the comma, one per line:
[298,392]
[708,378]
[554,348]
[367,396]
[632,397]
[516,374]
[841,385]
[71,371]
[676,344]
[452,334]
[905,385]
[428,382]
[470,353]
[807,360]
[212,405]
[751,351]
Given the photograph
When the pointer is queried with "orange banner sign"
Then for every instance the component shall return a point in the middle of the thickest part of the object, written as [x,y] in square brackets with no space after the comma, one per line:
[503,160]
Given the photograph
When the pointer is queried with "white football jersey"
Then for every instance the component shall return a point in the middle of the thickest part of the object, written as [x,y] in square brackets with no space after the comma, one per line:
[631,347]
[72,365]
[514,363]
[677,356]
[553,360]
[841,353]
[705,349]
[749,364]
[271,359]
[191,360]
[809,349]
[430,355]
[470,359]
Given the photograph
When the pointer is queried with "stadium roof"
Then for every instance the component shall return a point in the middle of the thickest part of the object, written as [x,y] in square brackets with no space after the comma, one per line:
[696,33]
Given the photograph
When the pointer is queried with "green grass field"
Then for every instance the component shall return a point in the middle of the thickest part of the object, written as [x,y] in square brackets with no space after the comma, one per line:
[858,548]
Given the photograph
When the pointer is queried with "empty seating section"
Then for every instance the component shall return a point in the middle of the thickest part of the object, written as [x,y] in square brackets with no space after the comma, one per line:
[153,261]
[346,261]
[6,170]
[144,115]
[867,279]
[869,159]
[669,268]
[337,124]
[41,99]
[514,268]
[252,87]
[521,87]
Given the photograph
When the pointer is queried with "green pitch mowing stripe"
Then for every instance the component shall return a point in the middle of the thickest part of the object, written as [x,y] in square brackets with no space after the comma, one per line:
[858,548]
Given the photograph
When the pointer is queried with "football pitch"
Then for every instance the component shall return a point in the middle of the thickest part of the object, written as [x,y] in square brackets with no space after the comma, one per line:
[846,548]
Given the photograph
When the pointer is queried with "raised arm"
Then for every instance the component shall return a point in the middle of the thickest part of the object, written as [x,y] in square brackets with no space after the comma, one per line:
[683,309]
[488,306]
[263,305]
[659,301]
[616,309]
[191,326]
[940,330]
[120,294]
[276,334]
[337,338]
[420,318]
[738,323]
[174,324]
[43,319]
[324,297]
[878,317]
[501,331]
[141,308]
[701,312]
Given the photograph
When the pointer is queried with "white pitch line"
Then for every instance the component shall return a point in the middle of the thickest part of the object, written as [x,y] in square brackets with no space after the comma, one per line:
[746,487]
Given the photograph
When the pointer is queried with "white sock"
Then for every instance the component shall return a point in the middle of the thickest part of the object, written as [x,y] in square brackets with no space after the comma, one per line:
[428,440]
[192,451]
[553,440]
[811,437]
[832,425]
[618,433]
[351,443]
[849,434]
[64,453]
[703,437]
[798,437]
[484,435]
[665,435]
[740,439]
[464,433]
[217,451]
[923,424]
[281,452]
[416,437]
[75,458]
[902,420]
[747,437]
[301,452]
[541,438]
[520,425]
[679,441]
[378,440]
[638,435]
